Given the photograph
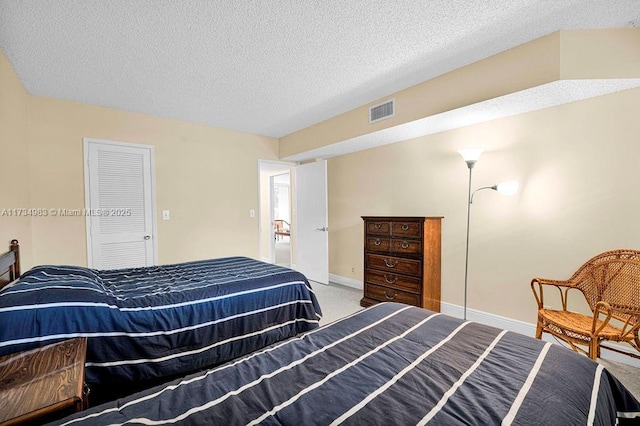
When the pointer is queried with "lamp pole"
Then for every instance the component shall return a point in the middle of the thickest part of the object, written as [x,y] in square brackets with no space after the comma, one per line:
[470,164]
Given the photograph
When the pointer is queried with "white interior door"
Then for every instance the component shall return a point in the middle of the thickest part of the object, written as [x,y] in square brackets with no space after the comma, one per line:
[312,227]
[119,203]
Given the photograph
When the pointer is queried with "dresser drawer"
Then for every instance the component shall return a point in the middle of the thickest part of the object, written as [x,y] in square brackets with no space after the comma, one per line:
[400,282]
[394,264]
[406,246]
[387,294]
[406,229]
[378,228]
[378,244]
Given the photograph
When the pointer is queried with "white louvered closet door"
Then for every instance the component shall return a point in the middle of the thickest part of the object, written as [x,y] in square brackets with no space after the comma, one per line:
[120,216]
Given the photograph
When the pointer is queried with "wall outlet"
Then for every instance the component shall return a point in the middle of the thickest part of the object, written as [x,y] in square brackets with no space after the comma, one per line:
[353,270]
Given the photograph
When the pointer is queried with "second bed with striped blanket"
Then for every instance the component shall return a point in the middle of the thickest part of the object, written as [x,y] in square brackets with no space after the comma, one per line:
[156,322]
[389,364]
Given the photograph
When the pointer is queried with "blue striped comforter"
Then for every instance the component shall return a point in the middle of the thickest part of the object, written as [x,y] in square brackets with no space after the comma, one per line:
[145,323]
[389,364]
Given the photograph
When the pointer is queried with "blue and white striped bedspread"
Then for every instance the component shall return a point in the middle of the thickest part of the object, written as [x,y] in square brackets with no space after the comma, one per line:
[146,323]
[390,365]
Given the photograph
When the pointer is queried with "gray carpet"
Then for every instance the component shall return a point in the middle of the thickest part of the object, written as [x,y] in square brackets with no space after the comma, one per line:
[629,376]
[338,301]
[283,251]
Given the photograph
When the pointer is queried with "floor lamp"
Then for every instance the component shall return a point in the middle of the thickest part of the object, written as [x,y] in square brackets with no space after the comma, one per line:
[471,156]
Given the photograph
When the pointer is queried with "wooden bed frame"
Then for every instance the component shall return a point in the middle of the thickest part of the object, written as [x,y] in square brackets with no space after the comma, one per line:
[10,264]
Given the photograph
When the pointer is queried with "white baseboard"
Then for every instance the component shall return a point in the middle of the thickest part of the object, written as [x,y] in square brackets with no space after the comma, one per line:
[348,282]
[489,319]
[529,329]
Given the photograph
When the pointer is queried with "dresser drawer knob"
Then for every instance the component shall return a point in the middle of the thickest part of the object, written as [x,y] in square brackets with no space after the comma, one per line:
[377,225]
[393,296]
[377,242]
[405,227]
[390,263]
[405,245]
[391,280]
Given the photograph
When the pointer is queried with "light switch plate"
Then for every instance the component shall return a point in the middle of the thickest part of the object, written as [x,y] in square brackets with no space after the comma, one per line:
[166,215]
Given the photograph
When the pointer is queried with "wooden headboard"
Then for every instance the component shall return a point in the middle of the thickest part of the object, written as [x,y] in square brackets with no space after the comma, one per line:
[10,264]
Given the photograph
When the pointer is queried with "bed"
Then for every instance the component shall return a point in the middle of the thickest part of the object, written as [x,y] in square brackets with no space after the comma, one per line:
[154,323]
[389,364]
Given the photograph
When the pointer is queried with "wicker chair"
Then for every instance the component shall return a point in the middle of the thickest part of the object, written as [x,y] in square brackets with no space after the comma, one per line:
[610,283]
[281,228]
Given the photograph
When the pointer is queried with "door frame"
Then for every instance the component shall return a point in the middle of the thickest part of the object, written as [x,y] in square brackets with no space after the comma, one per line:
[87,191]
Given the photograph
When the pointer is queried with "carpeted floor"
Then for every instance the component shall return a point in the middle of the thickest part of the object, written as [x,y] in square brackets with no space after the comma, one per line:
[338,301]
[283,251]
[628,376]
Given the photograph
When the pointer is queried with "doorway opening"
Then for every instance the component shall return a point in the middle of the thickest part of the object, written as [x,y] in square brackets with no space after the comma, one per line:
[277,230]
[281,214]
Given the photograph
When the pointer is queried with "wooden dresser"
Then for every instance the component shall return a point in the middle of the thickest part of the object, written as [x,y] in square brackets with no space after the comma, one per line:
[402,260]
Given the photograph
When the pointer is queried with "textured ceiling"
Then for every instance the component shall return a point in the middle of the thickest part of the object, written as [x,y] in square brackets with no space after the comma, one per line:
[265,66]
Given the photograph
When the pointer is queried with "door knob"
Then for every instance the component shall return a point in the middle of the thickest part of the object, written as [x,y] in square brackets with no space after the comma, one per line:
[324,229]
[147,237]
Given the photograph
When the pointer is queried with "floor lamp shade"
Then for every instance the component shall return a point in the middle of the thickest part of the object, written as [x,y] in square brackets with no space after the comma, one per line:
[507,188]
[471,155]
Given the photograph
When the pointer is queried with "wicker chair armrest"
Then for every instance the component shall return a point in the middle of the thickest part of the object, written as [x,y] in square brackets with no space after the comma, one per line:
[536,287]
[556,283]
[629,317]
[601,308]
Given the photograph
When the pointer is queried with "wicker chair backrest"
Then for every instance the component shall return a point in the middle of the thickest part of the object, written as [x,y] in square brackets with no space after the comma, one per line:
[612,277]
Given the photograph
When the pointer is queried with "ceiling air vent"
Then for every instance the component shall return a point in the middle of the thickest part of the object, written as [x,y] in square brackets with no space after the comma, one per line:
[381,111]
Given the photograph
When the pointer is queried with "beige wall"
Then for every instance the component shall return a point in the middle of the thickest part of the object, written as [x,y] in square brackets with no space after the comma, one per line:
[576,165]
[605,53]
[14,152]
[207,177]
